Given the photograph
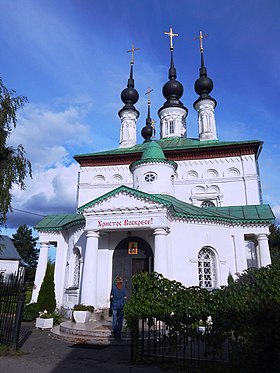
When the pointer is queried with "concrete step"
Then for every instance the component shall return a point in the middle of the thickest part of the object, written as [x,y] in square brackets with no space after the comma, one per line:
[93,328]
[94,332]
[78,339]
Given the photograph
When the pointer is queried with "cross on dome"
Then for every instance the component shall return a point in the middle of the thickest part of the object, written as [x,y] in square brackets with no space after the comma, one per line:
[201,37]
[171,35]
[132,50]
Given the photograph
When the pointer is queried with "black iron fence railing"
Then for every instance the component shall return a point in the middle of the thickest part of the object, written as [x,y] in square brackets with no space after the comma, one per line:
[12,297]
[195,344]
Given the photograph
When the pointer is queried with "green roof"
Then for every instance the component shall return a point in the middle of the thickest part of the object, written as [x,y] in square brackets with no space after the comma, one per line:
[152,153]
[172,143]
[235,214]
[59,222]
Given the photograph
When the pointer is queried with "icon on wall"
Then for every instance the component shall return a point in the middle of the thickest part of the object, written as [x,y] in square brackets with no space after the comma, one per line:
[133,248]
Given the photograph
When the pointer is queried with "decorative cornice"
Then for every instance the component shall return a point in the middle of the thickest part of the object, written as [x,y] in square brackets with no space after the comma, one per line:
[233,150]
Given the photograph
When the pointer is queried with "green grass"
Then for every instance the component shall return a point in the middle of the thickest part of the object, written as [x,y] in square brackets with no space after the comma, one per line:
[8,351]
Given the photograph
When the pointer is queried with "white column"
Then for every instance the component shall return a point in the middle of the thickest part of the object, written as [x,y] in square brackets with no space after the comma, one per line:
[89,280]
[264,252]
[161,253]
[41,270]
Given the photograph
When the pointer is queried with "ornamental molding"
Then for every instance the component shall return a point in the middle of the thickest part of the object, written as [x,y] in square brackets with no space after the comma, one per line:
[246,151]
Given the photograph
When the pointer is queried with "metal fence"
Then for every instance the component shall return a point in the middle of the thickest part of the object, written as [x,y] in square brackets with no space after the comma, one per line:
[12,297]
[194,345]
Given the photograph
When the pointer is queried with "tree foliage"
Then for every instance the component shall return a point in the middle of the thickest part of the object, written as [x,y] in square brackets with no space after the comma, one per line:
[46,297]
[274,244]
[14,167]
[25,244]
[246,312]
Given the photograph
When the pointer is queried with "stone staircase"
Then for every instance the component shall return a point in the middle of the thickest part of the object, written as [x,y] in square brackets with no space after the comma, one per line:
[98,331]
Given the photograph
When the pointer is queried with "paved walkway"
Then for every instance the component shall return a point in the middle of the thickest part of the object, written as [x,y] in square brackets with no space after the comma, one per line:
[44,354]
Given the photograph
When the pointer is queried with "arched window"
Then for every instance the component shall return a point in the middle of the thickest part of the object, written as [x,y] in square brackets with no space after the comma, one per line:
[76,269]
[207,268]
[207,203]
[171,126]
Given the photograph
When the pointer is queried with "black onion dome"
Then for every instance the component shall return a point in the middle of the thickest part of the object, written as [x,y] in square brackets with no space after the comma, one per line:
[148,131]
[203,85]
[172,90]
[129,95]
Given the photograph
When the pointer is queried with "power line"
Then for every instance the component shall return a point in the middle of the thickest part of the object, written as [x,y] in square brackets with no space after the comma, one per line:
[28,212]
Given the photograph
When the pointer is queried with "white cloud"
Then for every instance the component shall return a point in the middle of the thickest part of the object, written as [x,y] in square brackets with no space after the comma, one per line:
[47,135]
[276,211]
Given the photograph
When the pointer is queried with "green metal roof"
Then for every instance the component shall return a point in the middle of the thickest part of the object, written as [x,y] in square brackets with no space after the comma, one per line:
[152,153]
[235,214]
[249,214]
[59,222]
[172,143]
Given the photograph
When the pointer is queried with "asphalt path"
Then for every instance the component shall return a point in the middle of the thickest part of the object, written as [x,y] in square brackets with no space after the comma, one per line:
[39,352]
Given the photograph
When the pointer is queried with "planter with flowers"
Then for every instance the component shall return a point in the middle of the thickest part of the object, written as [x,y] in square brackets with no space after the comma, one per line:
[82,313]
[44,321]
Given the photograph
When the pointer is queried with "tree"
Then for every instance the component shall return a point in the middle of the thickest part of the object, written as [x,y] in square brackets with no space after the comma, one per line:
[46,296]
[14,167]
[274,244]
[25,244]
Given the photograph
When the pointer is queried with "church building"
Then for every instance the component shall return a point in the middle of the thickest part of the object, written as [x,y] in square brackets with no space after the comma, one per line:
[190,209]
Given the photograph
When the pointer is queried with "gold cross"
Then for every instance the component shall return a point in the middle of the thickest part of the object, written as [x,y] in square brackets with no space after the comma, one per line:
[149,95]
[200,37]
[132,50]
[171,35]
[153,123]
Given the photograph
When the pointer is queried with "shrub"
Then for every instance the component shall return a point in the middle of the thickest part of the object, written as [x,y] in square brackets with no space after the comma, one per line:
[83,307]
[30,312]
[46,297]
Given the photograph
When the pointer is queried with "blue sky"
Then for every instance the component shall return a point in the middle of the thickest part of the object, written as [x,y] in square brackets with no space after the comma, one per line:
[69,58]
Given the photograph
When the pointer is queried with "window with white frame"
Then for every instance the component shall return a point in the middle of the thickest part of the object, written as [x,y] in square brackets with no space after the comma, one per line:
[171,126]
[207,268]
[251,254]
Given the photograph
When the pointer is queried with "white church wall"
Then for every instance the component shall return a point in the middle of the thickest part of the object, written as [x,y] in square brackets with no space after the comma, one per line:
[188,239]
[95,181]
[226,174]
[216,179]
[162,174]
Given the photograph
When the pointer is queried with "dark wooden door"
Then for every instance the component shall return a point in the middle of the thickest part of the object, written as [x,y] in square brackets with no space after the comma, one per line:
[126,264]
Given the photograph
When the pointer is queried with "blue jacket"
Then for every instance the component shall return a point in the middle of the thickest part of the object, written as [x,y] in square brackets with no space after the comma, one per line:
[117,297]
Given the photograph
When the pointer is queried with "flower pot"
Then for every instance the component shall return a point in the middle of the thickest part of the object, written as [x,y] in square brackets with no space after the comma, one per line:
[44,323]
[81,316]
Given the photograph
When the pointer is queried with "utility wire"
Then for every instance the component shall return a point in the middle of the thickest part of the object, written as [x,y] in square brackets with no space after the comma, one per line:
[28,212]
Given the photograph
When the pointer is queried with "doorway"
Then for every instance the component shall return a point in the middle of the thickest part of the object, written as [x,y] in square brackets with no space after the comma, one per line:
[132,255]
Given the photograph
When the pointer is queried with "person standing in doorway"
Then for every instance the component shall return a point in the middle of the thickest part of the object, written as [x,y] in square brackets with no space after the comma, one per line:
[118,297]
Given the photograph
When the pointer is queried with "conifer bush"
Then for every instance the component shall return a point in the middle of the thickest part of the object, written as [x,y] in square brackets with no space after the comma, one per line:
[46,298]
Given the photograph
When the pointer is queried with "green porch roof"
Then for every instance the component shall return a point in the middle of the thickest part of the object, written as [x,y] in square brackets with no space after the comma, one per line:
[59,222]
[235,214]
[249,214]
[173,143]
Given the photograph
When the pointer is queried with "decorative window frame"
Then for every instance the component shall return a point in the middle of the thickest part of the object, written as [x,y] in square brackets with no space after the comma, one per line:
[207,268]
[202,193]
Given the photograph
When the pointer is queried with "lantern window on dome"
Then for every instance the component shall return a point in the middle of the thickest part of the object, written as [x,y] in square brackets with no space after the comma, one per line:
[171,127]
[150,177]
